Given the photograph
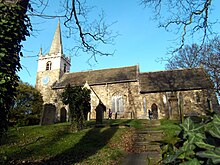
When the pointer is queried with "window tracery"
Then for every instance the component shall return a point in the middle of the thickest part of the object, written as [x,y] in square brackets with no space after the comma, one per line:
[117,103]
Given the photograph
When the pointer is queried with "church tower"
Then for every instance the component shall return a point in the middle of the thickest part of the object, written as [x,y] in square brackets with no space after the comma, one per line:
[51,67]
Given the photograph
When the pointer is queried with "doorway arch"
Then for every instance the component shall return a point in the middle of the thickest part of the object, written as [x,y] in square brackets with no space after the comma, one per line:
[154,110]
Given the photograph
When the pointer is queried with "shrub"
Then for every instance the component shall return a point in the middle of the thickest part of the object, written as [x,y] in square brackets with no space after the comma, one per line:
[198,143]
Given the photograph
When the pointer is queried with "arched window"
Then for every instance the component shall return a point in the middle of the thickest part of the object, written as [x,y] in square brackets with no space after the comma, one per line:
[154,110]
[117,104]
[48,65]
[145,105]
[64,68]
[164,99]
[209,104]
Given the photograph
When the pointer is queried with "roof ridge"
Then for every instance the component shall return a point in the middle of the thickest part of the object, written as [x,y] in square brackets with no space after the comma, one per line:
[170,70]
[105,69]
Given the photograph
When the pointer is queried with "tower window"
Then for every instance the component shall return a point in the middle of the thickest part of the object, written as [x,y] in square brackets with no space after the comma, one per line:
[64,69]
[48,65]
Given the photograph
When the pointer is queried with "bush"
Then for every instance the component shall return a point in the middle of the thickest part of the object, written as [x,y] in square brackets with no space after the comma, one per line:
[197,143]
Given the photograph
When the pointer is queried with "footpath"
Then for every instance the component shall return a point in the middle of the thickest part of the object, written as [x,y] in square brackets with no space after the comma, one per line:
[146,151]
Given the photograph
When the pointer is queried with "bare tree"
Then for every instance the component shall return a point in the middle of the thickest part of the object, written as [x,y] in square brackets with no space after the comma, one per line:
[208,57]
[91,33]
[211,61]
[186,18]
[187,57]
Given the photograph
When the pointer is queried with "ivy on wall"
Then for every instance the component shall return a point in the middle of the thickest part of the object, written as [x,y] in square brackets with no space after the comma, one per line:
[14,27]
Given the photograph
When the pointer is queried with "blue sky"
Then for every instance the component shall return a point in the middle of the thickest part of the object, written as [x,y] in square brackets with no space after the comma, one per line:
[140,40]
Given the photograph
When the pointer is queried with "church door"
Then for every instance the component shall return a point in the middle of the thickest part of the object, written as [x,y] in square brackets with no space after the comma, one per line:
[154,110]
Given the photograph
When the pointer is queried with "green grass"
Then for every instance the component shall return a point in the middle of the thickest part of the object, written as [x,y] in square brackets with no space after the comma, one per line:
[105,144]
[121,122]
[55,143]
[170,128]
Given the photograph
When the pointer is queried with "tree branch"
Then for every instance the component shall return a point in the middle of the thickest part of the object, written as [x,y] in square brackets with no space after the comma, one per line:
[189,16]
[92,34]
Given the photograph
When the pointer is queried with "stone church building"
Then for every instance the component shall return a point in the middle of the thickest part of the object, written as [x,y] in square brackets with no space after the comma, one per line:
[128,92]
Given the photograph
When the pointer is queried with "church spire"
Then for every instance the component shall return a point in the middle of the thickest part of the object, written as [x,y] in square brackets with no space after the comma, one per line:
[56,46]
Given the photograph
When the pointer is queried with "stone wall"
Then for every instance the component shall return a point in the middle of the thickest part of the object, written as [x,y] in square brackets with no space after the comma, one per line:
[104,93]
[46,89]
[152,98]
[187,102]
[56,100]
[190,102]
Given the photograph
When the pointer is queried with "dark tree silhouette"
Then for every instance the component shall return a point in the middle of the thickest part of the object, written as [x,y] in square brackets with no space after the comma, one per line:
[14,25]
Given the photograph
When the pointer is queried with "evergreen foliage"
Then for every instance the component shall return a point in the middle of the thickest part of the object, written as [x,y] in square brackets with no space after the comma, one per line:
[78,99]
[198,143]
[27,106]
[14,25]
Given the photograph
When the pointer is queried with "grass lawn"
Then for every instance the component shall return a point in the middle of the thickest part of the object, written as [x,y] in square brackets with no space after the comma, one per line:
[170,128]
[55,144]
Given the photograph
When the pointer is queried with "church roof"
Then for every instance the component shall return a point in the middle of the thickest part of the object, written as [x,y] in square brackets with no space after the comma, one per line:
[93,77]
[174,80]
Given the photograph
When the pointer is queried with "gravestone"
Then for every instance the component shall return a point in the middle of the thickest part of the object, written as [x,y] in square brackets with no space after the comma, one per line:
[100,113]
[48,115]
[63,115]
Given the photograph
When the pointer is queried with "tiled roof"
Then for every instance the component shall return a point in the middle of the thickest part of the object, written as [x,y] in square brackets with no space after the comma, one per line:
[103,76]
[173,80]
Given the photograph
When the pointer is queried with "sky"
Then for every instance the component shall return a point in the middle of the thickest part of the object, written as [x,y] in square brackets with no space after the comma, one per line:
[140,41]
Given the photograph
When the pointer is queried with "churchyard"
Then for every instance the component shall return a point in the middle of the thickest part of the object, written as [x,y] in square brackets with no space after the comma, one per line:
[106,143]
[102,144]
[116,142]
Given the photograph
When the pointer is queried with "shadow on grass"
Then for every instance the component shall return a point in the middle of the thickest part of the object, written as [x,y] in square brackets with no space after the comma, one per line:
[90,144]
[61,146]
[39,151]
[109,122]
[7,139]
[32,146]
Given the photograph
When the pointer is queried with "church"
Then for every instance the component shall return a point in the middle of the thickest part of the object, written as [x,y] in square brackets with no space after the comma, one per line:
[128,92]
